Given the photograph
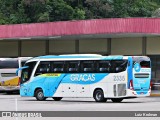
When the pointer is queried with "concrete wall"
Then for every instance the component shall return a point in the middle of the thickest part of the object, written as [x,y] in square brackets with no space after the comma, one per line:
[153,45]
[126,46]
[62,46]
[33,48]
[116,46]
[93,46]
[8,48]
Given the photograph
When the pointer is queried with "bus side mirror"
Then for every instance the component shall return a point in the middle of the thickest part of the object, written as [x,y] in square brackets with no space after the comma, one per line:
[17,72]
[20,69]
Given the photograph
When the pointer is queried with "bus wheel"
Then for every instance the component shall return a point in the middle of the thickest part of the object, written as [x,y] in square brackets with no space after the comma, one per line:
[57,98]
[40,95]
[99,96]
[116,100]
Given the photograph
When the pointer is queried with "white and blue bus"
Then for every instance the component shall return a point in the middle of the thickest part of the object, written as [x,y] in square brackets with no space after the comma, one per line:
[100,77]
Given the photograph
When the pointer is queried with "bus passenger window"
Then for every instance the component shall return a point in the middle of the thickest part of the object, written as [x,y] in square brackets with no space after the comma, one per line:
[102,69]
[72,69]
[72,66]
[58,67]
[87,69]
[103,66]
[43,67]
[118,66]
[88,66]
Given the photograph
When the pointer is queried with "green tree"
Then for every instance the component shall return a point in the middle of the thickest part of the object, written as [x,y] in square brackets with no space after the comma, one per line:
[97,9]
[60,10]
[32,11]
[12,12]
[2,19]
[79,14]
[132,8]
[36,10]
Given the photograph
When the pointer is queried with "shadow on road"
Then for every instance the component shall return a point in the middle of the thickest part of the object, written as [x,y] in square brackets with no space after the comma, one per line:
[9,93]
[82,101]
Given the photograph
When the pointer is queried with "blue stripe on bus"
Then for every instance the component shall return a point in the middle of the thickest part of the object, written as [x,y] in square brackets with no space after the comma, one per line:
[113,58]
[84,79]
[100,57]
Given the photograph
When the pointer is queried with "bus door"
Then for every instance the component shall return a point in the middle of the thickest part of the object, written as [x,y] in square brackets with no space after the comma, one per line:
[26,76]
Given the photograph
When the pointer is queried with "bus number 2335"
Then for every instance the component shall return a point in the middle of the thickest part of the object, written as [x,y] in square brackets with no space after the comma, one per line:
[118,78]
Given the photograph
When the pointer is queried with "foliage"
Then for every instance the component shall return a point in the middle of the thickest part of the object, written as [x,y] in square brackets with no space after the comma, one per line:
[32,11]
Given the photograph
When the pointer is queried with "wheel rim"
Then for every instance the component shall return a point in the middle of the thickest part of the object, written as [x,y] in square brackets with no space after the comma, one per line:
[40,95]
[98,96]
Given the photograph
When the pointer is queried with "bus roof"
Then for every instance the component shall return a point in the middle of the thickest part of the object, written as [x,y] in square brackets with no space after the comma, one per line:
[16,58]
[77,57]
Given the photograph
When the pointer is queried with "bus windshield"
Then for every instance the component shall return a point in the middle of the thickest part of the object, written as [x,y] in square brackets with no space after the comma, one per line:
[143,61]
[26,72]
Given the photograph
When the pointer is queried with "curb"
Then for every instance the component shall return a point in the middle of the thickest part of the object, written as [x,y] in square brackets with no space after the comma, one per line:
[155,94]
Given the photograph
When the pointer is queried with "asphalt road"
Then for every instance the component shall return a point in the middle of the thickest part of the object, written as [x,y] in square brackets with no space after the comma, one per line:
[18,103]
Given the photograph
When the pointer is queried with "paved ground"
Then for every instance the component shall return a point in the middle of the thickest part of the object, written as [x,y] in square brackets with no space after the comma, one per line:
[17,103]
[155,93]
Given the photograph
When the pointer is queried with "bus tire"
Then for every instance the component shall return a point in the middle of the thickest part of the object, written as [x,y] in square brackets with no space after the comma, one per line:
[57,98]
[99,96]
[40,95]
[116,100]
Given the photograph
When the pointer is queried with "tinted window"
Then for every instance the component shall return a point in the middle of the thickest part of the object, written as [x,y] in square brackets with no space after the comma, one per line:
[145,64]
[43,67]
[118,66]
[103,66]
[9,64]
[22,63]
[58,67]
[143,61]
[111,66]
[27,72]
[87,66]
[72,66]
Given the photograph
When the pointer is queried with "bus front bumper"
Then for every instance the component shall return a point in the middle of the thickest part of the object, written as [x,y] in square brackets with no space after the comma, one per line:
[9,88]
[138,93]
